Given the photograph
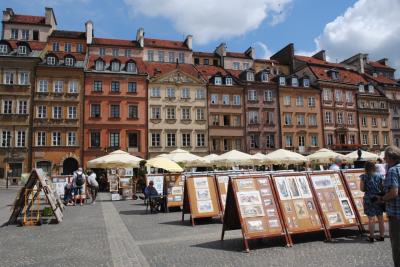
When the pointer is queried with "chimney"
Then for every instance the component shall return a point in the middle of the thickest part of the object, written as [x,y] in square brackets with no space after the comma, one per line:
[384,61]
[251,52]
[189,41]
[321,55]
[8,14]
[50,18]
[362,62]
[89,31]
[140,37]
[221,50]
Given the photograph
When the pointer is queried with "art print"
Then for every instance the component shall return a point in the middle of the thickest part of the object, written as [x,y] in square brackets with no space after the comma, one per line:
[158,183]
[177,190]
[245,184]
[300,208]
[204,206]
[178,198]
[294,190]
[353,186]
[203,194]
[288,207]
[359,204]
[334,218]
[248,197]
[268,202]
[121,172]
[255,225]
[310,205]
[273,223]
[282,188]
[262,182]
[271,212]
[322,181]
[304,187]
[201,182]
[348,212]
[252,210]
[266,192]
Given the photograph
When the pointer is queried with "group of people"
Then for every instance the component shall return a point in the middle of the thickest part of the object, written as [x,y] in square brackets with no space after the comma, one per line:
[73,191]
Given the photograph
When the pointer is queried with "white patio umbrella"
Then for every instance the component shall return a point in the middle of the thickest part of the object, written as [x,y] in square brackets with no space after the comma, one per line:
[164,163]
[324,156]
[116,159]
[205,161]
[283,156]
[183,156]
[382,155]
[364,155]
[233,158]
[258,158]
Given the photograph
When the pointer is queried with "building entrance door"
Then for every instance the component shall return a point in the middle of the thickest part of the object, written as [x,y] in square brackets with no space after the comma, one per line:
[69,166]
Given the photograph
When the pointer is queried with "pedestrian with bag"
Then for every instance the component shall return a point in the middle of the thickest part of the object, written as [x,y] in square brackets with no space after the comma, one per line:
[93,185]
[372,184]
[78,182]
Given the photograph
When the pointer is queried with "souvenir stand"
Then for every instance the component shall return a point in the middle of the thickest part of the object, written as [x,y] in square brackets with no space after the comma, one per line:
[125,182]
[59,182]
[251,206]
[113,180]
[173,189]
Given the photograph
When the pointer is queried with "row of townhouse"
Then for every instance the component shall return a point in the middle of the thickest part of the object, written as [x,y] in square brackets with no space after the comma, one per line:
[69,96]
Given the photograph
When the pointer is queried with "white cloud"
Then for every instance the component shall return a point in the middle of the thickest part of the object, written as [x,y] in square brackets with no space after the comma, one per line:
[267,52]
[369,26]
[210,20]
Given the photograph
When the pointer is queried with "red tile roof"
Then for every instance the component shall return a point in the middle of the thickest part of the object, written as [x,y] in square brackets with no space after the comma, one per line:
[379,65]
[25,19]
[34,45]
[316,61]
[208,71]
[139,62]
[155,69]
[235,73]
[77,56]
[237,55]
[67,34]
[345,76]
[116,42]
[168,44]
[381,79]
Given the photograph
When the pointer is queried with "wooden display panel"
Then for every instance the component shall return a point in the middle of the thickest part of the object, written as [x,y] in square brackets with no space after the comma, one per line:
[297,203]
[174,189]
[200,198]
[251,206]
[222,186]
[333,200]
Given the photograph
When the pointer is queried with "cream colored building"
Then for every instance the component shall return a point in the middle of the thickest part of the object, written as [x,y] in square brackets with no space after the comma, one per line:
[177,106]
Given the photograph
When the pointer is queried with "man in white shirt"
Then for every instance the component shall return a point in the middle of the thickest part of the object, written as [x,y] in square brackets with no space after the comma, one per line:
[336,165]
[93,184]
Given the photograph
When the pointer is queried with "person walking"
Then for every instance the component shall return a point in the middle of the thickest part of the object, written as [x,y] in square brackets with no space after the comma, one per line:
[372,184]
[78,182]
[93,184]
[392,199]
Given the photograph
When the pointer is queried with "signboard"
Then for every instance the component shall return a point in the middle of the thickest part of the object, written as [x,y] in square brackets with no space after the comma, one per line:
[222,185]
[333,200]
[174,188]
[158,181]
[200,197]
[297,203]
[251,206]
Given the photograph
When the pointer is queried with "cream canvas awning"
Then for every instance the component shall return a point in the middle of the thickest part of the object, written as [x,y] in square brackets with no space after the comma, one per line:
[283,156]
[364,155]
[116,159]
[233,158]
[325,155]
[164,163]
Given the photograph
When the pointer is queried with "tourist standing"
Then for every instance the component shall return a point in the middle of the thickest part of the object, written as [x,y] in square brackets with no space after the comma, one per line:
[336,165]
[392,199]
[78,182]
[93,184]
[380,167]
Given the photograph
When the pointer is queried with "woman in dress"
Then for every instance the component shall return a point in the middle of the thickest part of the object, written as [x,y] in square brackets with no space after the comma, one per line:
[372,184]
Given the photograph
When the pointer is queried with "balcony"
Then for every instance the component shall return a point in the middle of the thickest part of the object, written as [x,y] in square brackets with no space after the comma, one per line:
[345,147]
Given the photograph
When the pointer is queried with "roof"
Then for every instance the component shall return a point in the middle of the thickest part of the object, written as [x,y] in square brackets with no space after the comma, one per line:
[77,56]
[34,45]
[345,76]
[204,54]
[139,62]
[236,73]
[116,42]
[382,79]
[238,55]
[26,19]
[155,69]
[169,44]
[67,34]
[379,65]
[266,61]
[207,71]
[316,61]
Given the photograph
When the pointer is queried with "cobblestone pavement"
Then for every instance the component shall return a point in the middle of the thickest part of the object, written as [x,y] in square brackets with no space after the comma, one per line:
[91,236]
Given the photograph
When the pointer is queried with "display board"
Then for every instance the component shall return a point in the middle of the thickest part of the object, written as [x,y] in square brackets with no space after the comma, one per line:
[222,186]
[174,189]
[200,198]
[251,206]
[333,200]
[158,180]
[297,203]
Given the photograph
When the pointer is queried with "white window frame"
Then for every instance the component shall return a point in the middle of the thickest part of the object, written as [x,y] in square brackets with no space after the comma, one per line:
[185,93]
[268,95]
[73,87]
[170,92]
[155,92]
[311,102]
[7,106]
[200,114]
[57,112]
[20,141]
[51,60]
[225,99]
[58,86]
[9,77]
[41,138]
[252,95]
[237,100]
[218,80]
[41,112]
[22,107]
[24,78]
[71,139]
[22,50]
[69,61]
[287,100]
[200,93]
[214,99]
[228,81]
[56,139]
[72,112]
[299,101]
[99,65]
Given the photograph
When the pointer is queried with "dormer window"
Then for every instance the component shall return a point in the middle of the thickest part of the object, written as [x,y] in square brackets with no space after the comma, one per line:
[370,88]
[361,88]
[334,75]
[295,81]
[250,76]
[228,81]
[282,81]
[3,49]
[69,61]
[115,66]
[217,80]
[51,60]
[306,82]
[22,50]
[99,65]
[375,74]
[131,67]
[264,76]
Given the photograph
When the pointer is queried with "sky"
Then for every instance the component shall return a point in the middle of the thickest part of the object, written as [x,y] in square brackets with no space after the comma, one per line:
[341,27]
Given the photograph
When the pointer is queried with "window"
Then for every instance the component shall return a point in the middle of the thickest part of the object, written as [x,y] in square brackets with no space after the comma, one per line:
[94,139]
[252,95]
[24,78]
[373,121]
[185,94]
[97,86]
[7,107]
[69,61]
[340,118]
[268,95]
[132,87]
[329,139]
[155,140]
[196,61]
[349,97]
[289,140]
[246,66]
[156,113]
[300,120]
[67,47]
[185,113]
[3,49]
[299,101]
[361,88]
[171,139]
[51,60]
[286,100]
[170,92]
[186,140]
[382,105]
[227,120]
[22,49]
[56,47]
[302,141]
[171,57]
[206,61]
[350,118]
[58,86]
[264,76]
[269,118]
[200,114]
[201,140]
[364,121]
[236,65]
[79,48]
[228,81]
[114,111]
[133,140]
[214,99]
[22,107]
[288,119]
[270,141]
[254,141]
[237,121]
[215,62]
[200,94]
[225,99]
[334,75]
[338,96]
[370,88]
[328,117]
[236,100]
[306,82]
[115,87]
[375,139]
[161,56]
[114,139]
[385,139]
[364,139]
[95,111]
[384,122]
[41,112]
[250,76]
[327,93]
[56,139]
[99,65]
[171,113]
[181,57]
[14,33]
[20,141]
[102,51]
[73,87]
[217,80]
[25,34]
[115,66]
[282,81]
[215,120]
[57,113]
[71,139]
[115,52]
[253,117]
[9,77]
[155,92]
[72,113]
[5,138]
[295,81]
[41,139]
[352,139]
[314,140]
[311,102]
[131,67]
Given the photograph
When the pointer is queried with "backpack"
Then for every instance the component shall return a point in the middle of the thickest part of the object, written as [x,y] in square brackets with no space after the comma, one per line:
[79,179]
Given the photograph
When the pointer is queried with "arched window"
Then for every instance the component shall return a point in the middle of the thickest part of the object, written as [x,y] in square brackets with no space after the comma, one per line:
[99,65]
[115,65]
[131,67]
[69,61]
[51,60]
[22,50]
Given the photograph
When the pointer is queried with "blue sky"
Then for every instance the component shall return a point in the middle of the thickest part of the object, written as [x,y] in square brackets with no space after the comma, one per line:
[310,24]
